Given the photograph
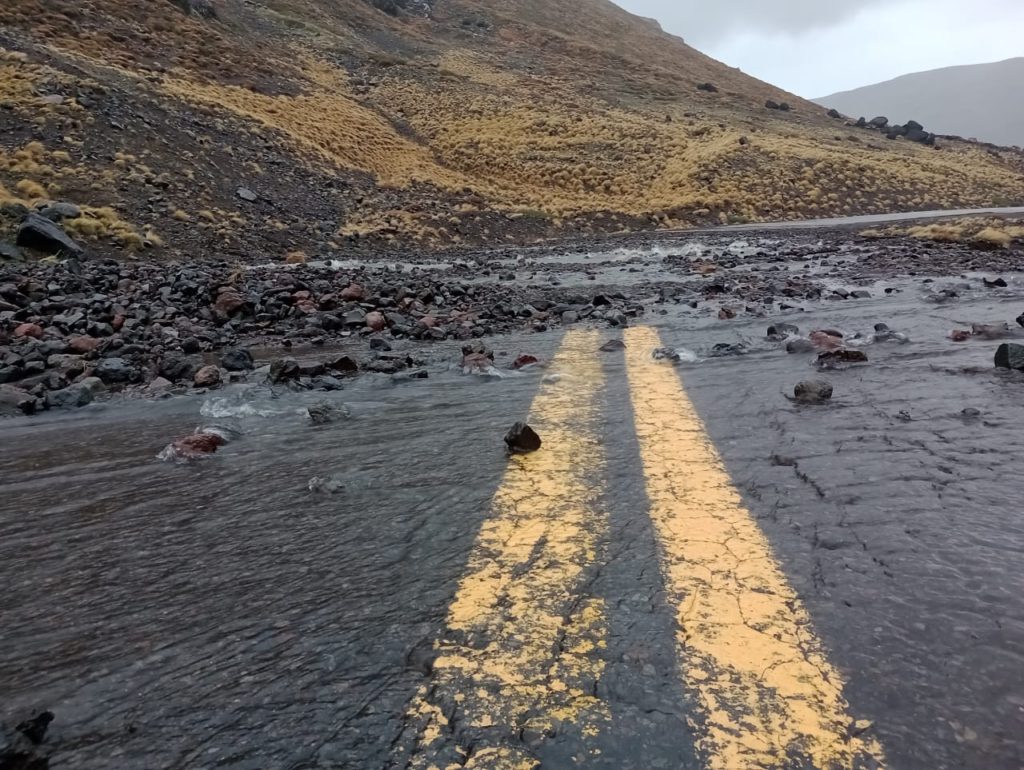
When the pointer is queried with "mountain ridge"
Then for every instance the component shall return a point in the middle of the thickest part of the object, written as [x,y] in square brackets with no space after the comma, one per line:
[987,98]
[473,122]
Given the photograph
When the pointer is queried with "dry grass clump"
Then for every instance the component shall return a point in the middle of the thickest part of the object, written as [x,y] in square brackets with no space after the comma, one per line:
[984,232]
[105,222]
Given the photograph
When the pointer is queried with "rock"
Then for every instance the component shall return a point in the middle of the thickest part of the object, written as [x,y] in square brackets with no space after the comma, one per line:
[522,439]
[10,252]
[117,371]
[197,445]
[176,368]
[284,370]
[813,391]
[208,377]
[832,357]
[861,294]
[55,212]
[826,339]
[324,413]
[800,345]
[1010,356]
[35,728]
[476,363]
[380,344]
[327,382]
[39,233]
[376,321]
[991,331]
[354,292]
[237,360]
[612,345]
[15,401]
[71,397]
[1020,320]
[710,88]
[525,360]
[159,385]
[570,317]
[228,303]
[959,335]
[344,365]
[834,113]
[28,330]
[246,194]
[666,354]
[82,345]
[879,122]
[998,283]
[726,314]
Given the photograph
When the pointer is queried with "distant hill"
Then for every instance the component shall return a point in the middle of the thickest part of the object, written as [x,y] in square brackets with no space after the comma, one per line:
[253,129]
[981,101]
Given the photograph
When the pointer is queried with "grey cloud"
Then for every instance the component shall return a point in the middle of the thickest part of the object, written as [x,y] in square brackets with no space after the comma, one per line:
[707,22]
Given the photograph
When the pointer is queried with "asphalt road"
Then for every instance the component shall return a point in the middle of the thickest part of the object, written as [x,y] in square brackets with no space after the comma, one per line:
[693,571]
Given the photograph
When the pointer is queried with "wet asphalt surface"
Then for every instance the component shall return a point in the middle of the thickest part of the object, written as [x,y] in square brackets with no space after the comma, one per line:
[220,614]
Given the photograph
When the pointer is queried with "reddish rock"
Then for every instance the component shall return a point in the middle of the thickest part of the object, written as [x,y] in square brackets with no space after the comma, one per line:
[301,296]
[525,360]
[354,292]
[118,322]
[429,321]
[228,302]
[843,356]
[375,320]
[306,306]
[207,377]
[726,314]
[82,344]
[826,340]
[29,330]
[198,444]
[959,335]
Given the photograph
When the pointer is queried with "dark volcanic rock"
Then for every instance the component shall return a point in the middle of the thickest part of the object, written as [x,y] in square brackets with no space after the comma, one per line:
[117,371]
[1010,356]
[522,439]
[284,370]
[14,401]
[70,397]
[39,233]
[176,368]
[237,360]
[813,391]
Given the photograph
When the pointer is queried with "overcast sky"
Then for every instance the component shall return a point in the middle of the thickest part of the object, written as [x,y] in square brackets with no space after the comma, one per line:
[817,47]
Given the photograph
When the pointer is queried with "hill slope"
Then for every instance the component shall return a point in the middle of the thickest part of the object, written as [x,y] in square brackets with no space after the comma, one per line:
[352,122]
[979,100]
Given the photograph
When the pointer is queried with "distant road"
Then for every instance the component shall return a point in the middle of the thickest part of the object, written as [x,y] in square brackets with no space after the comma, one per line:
[870,219]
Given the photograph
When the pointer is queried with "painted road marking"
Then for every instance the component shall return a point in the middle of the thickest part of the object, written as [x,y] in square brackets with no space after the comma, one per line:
[769,696]
[523,646]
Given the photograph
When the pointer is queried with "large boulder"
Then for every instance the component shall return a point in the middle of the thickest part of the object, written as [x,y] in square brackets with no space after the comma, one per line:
[15,401]
[237,360]
[880,122]
[39,233]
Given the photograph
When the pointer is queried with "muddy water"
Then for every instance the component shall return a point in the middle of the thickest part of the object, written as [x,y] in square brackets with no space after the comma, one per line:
[222,614]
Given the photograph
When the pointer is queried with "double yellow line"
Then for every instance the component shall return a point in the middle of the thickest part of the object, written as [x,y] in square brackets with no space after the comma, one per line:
[523,649]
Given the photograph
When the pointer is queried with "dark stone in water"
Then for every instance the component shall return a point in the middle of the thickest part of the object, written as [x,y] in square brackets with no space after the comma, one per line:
[813,391]
[522,439]
[1010,356]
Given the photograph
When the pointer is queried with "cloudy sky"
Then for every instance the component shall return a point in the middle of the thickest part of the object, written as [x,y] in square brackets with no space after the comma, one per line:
[817,47]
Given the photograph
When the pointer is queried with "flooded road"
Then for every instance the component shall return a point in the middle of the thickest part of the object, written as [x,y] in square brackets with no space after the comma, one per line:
[693,572]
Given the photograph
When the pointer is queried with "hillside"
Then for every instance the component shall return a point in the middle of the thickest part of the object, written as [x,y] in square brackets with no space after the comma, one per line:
[983,101]
[251,129]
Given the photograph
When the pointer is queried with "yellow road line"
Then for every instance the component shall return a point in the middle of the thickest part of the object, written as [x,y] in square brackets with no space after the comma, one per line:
[768,694]
[523,647]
